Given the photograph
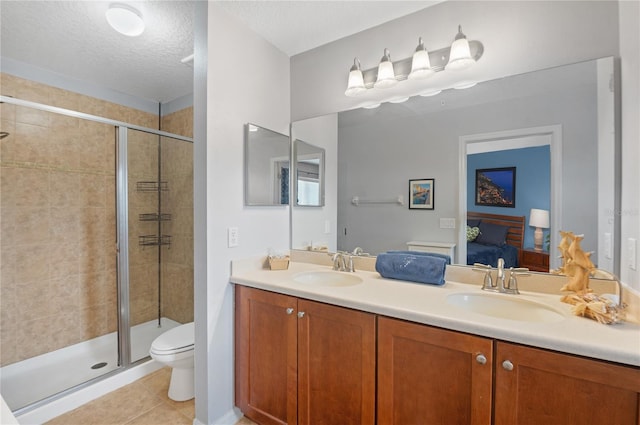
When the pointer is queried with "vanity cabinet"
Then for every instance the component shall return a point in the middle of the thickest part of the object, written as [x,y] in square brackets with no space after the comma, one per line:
[535,386]
[432,376]
[300,361]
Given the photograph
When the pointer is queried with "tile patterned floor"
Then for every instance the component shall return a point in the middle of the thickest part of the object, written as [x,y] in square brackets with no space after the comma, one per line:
[144,402]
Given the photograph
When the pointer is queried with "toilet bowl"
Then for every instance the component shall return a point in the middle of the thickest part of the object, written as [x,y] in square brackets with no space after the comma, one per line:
[174,348]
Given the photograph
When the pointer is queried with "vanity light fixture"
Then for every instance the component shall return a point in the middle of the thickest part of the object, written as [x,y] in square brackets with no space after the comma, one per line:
[386,75]
[356,80]
[459,56]
[125,19]
[420,64]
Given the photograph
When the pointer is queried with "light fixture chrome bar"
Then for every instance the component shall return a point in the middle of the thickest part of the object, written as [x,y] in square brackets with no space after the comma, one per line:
[438,58]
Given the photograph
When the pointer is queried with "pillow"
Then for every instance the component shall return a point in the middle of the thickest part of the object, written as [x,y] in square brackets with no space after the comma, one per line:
[472,233]
[474,222]
[492,234]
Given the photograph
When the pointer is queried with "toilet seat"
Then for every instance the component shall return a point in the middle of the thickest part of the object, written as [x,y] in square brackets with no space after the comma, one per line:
[177,340]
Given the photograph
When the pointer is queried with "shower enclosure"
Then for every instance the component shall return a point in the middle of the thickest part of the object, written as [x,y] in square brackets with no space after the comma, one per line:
[96,247]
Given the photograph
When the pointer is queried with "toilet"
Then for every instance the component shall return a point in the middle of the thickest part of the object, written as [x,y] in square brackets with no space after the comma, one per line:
[174,348]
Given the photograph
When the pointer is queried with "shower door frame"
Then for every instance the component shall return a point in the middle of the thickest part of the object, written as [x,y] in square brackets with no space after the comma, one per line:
[122,239]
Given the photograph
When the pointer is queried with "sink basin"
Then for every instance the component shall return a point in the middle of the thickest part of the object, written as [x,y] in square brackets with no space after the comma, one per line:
[505,307]
[327,278]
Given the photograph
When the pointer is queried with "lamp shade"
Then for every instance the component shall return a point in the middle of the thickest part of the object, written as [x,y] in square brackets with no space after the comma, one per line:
[355,85]
[539,218]
[386,75]
[460,53]
[125,19]
[420,64]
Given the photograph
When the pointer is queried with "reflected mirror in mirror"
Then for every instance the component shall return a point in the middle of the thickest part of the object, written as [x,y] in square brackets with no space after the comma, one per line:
[266,167]
[380,150]
[309,172]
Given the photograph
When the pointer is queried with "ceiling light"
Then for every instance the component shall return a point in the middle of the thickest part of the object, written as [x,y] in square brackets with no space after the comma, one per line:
[125,19]
[372,106]
[355,86]
[460,55]
[420,64]
[386,75]
[399,100]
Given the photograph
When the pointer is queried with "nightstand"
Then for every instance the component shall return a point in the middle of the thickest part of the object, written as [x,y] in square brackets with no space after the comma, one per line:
[537,261]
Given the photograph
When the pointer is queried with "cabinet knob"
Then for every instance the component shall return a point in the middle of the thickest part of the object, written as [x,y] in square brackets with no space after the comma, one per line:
[289,310]
[480,358]
[507,365]
[301,314]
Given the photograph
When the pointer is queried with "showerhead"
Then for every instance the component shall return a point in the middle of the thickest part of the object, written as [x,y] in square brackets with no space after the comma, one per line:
[3,134]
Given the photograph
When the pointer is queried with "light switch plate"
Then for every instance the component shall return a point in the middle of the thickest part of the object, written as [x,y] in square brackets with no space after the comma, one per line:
[607,245]
[632,251]
[232,237]
[447,223]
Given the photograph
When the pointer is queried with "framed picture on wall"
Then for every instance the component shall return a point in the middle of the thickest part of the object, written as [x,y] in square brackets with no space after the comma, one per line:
[496,187]
[421,194]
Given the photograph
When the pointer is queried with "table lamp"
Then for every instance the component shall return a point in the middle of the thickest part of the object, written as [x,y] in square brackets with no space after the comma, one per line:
[540,220]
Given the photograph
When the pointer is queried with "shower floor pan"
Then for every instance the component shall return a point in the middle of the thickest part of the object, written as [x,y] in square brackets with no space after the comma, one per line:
[34,379]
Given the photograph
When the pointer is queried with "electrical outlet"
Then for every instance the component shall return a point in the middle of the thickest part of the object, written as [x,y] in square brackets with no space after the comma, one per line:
[232,237]
[631,251]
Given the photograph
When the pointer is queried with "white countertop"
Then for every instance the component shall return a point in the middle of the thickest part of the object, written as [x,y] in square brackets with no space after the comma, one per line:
[427,304]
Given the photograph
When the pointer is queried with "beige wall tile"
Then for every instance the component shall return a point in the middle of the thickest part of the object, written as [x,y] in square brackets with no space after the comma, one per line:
[7,144]
[31,263]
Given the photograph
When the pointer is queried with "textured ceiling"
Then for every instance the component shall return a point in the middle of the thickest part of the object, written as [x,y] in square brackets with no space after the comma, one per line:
[73,38]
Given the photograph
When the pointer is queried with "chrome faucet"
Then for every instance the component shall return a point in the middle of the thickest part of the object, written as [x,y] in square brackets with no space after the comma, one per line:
[501,284]
[500,274]
[343,262]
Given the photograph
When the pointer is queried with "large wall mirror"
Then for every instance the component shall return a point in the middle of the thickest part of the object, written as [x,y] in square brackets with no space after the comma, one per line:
[566,115]
[266,167]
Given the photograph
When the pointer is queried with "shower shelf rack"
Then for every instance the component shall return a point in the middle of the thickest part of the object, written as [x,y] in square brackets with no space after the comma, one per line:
[154,240]
[151,186]
[155,217]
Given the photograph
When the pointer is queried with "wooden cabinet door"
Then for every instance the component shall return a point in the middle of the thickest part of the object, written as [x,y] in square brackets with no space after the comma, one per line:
[543,387]
[266,356]
[428,375]
[336,365]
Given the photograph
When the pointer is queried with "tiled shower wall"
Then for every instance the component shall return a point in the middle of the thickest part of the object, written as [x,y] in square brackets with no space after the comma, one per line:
[57,222]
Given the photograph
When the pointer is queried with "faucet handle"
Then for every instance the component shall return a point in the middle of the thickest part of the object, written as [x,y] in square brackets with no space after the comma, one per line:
[478,267]
[512,286]
[486,269]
